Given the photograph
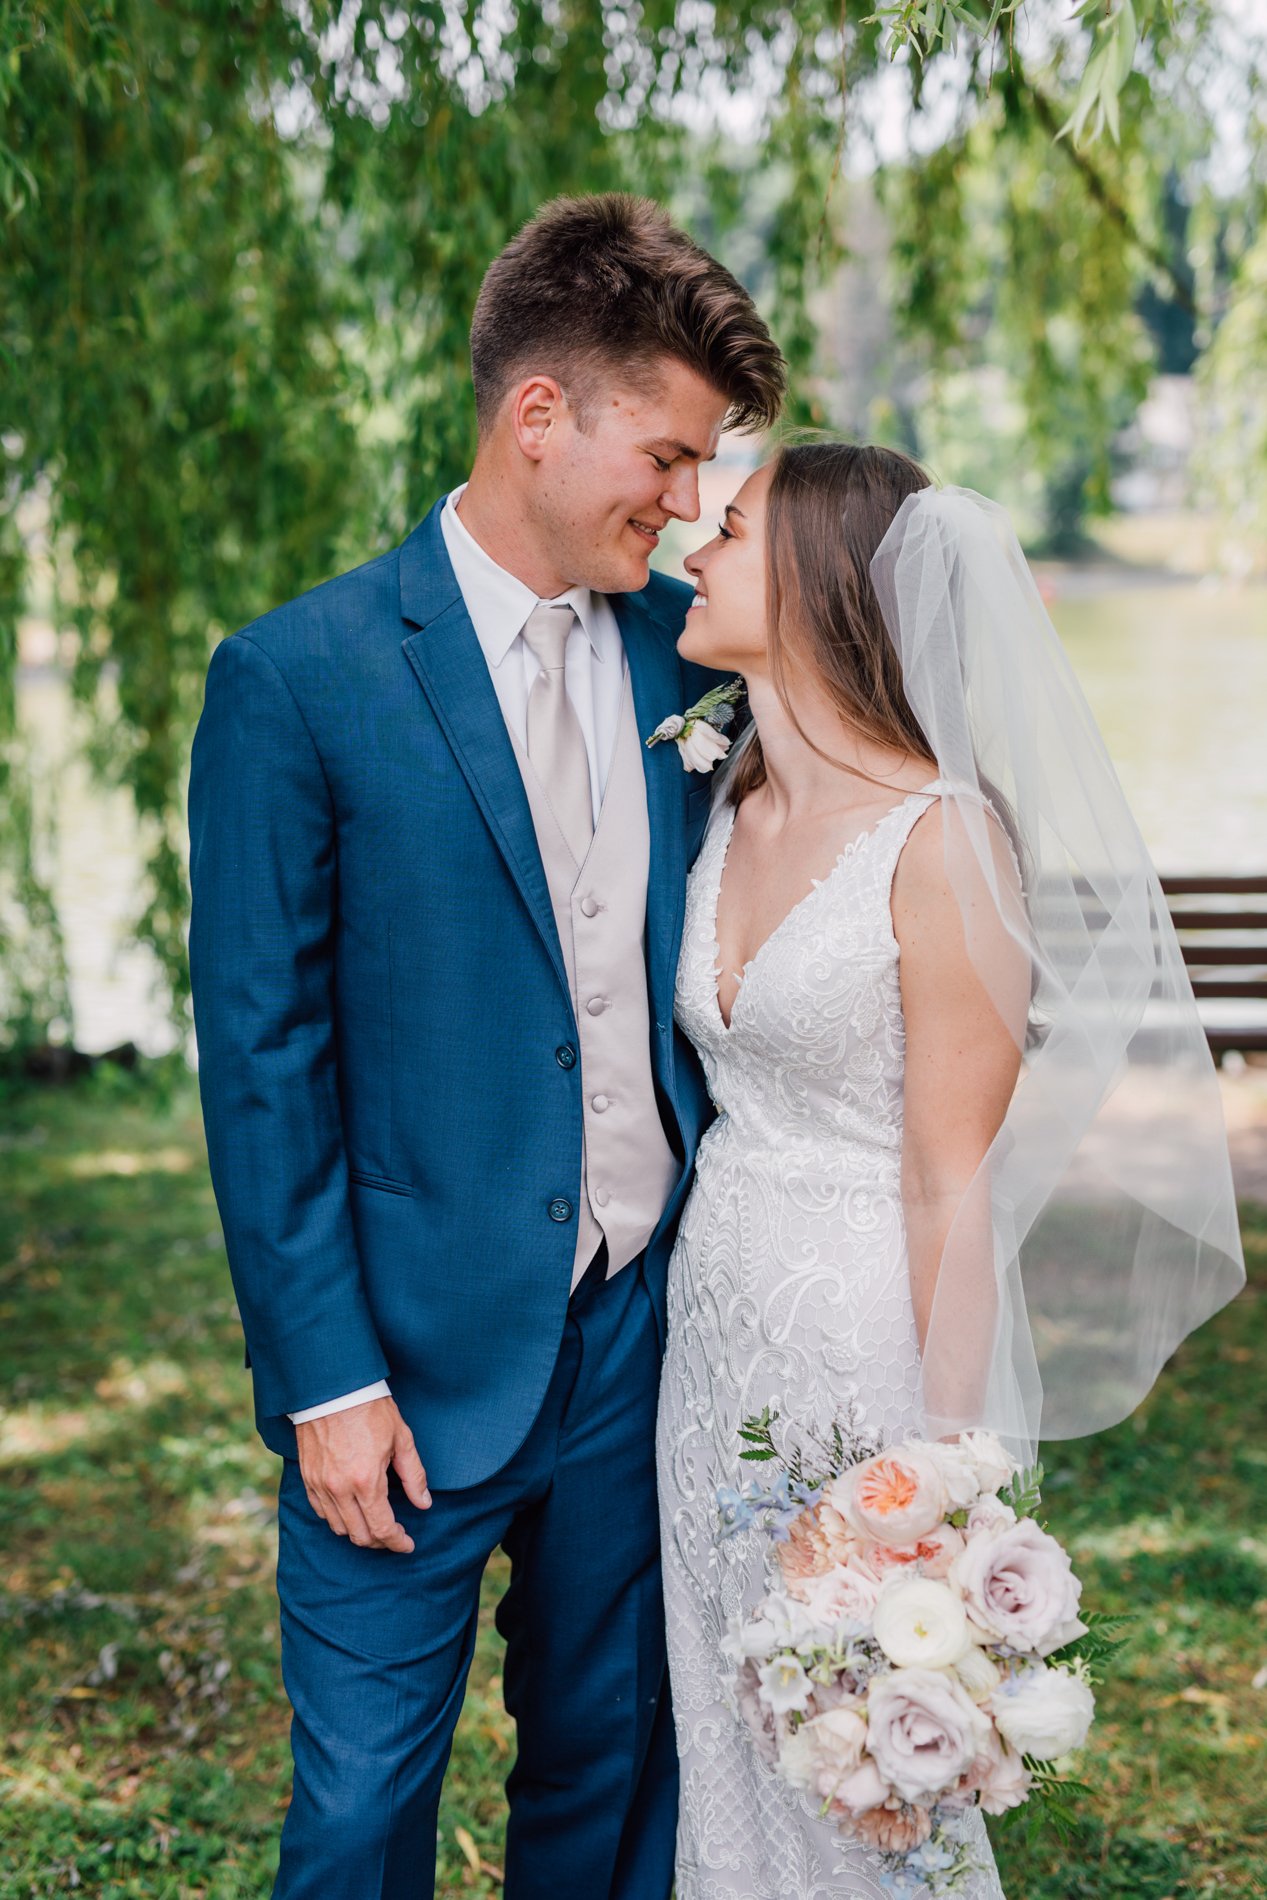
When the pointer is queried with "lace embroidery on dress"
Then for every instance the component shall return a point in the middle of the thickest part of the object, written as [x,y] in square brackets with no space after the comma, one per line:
[787,1287]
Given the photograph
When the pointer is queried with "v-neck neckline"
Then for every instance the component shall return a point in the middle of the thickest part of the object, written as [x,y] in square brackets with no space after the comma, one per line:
[817,884]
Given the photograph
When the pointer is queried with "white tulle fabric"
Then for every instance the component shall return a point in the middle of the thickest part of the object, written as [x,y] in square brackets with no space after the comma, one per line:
[1101,1227]
[788,1287]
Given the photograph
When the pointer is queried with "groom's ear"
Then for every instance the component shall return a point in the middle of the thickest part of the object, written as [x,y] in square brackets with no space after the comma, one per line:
[536,411]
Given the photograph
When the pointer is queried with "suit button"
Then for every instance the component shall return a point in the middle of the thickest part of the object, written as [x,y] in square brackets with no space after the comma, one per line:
[565,1056]
[590,907]
[560,1210]
[600,1102]
[596,1005]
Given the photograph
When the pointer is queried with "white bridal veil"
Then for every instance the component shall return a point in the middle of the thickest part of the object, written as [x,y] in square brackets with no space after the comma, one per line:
[1101,1227]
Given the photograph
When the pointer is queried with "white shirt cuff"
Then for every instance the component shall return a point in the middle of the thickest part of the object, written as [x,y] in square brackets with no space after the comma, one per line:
[379,1390]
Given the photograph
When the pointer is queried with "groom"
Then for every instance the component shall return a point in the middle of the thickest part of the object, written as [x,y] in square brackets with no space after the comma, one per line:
[438,889]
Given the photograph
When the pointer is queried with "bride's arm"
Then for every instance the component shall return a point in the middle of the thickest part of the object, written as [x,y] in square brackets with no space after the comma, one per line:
[962,1063]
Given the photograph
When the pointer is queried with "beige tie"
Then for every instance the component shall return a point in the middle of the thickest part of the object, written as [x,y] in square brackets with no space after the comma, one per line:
[556,744]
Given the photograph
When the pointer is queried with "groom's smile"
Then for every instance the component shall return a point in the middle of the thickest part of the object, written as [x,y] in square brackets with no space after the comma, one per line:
[619,469]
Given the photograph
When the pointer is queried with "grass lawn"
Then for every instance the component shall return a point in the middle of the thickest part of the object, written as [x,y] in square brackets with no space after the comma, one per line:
[142,1728]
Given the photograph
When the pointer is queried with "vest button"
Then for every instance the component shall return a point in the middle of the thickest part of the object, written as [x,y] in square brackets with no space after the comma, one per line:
[565,1056]
[560,1210]
[601,1196]
[590,907]
[596,1005]
[600,1102]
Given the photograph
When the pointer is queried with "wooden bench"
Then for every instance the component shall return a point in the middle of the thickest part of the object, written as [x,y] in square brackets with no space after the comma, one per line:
[1222,926]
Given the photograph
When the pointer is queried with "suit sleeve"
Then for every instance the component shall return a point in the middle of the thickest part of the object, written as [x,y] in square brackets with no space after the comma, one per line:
[263,867]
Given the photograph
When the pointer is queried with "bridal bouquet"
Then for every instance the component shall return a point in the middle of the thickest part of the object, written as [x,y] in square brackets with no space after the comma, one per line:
[920,1652]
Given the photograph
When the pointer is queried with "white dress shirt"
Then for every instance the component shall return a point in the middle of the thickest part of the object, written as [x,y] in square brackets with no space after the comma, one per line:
[594,676]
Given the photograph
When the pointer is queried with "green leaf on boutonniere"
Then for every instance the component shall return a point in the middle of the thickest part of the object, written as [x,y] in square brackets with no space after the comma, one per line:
[714,709]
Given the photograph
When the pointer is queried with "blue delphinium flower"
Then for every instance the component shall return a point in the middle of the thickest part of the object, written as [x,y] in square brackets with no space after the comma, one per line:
[900,1880]
[737,1512]
[933,1857]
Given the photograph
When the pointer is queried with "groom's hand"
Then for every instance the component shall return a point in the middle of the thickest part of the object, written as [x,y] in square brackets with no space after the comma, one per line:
[343,1459]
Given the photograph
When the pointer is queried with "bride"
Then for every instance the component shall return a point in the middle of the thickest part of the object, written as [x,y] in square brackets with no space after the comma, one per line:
[919,885]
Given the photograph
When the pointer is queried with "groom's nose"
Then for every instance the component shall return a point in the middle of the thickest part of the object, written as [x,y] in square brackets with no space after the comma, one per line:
[680,496]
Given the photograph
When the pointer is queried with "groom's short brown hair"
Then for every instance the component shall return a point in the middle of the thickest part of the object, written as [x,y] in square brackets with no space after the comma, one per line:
[607,287]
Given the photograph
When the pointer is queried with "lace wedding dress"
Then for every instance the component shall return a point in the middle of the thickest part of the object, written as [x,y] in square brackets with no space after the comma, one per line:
[787,1287]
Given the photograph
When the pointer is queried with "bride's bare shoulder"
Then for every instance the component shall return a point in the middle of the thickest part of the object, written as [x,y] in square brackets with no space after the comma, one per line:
[923,874]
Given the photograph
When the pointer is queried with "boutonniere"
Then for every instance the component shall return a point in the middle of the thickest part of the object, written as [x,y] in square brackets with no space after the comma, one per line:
[700,730]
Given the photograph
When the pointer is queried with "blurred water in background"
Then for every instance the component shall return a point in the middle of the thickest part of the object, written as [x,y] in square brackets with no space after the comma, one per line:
[1175,670]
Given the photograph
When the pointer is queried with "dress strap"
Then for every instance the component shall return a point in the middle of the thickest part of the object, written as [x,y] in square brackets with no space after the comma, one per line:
[895,828]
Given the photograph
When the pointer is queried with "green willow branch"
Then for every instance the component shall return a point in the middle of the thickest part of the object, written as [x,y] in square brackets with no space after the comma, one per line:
[1101,193]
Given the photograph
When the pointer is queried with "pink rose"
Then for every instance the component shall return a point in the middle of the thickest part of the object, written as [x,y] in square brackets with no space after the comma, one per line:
[967,1789]
[1007,1783]
[923,1731]
[824,1751]
[841,1691]
[864,1788]
[933,1553]
[893,1498]
[1018,1588]
[842,1594]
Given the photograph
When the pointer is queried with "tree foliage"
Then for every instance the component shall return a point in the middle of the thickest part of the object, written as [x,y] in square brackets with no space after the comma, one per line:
[241,241]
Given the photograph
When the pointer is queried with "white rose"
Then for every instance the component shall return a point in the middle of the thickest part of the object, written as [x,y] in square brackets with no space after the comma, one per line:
[824,1751]
[784,1685]
[978,1673]
[1043,1712]
[1005,1784]
[923,1731]
[989,1514]
[702,746]
[919,1622]
[669,728]
[994,1465]
[958,1470]
[1018,1587]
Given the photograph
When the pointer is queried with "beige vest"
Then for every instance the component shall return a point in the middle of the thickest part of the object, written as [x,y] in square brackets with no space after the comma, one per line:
[628,1170]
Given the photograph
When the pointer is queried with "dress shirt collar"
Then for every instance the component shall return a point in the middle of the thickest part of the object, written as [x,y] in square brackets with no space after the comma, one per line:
[498,602]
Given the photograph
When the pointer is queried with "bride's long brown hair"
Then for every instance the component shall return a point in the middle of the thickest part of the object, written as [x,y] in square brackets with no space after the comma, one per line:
[828,508]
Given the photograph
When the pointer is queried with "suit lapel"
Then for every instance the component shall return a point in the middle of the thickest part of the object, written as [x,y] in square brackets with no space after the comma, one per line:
[656,677]
[452,671]
[446,656]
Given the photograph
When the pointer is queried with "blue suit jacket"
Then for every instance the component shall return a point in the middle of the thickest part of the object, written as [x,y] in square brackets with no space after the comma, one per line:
[386,1037]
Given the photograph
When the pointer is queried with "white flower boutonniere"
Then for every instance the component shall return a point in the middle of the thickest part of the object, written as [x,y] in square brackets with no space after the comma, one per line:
[700,730]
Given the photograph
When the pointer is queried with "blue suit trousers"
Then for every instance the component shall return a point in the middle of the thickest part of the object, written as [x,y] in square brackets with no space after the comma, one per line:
[376,1646]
